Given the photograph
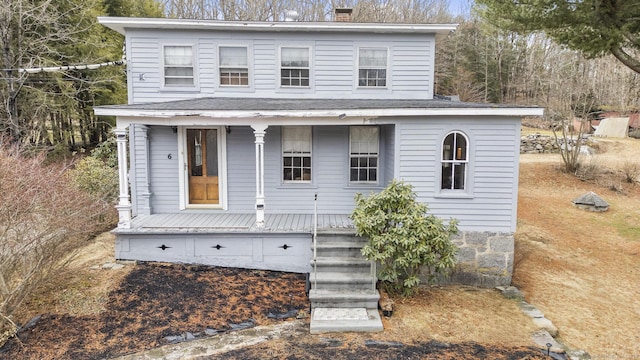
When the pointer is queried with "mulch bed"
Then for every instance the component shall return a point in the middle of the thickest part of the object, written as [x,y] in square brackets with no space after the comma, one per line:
[429,350]
[157,302]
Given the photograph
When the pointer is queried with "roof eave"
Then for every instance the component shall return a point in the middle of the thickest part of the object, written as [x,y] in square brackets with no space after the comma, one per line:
[327,113]
[121,24]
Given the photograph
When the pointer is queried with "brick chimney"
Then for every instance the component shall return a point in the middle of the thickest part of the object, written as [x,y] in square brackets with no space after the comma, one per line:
[343,14]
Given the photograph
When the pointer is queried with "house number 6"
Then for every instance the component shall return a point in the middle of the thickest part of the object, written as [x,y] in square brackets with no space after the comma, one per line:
[169,156]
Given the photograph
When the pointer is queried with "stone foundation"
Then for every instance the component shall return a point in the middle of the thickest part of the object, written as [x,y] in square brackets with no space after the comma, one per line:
[484,259]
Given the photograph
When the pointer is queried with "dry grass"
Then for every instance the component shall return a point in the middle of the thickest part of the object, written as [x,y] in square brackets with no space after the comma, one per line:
[80,290]
[582,268]
[456,314]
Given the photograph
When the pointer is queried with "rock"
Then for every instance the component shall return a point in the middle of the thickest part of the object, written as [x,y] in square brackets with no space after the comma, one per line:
[546,324]
[173,339]
[117,267]
[108,265]
[243,325]
[285,315]
[382,344]
[541,338]
[511,292]
[331,342]
[578,355]
[211,332]
[188,336]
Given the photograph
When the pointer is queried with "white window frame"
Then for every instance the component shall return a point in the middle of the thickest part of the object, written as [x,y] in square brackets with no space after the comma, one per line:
[297,154]
[357,156]
[373,67]
[282,67]
[183,169]
[165,66]
[456,160]
[247,66]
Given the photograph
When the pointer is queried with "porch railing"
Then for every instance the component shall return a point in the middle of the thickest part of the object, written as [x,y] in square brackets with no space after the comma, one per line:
[315,241]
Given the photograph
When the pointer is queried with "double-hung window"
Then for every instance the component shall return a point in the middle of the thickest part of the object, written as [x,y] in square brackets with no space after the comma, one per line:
[363,153]
[234,66]
[372,67]
[178,65]
[294,67]
[455,160]
[296,153]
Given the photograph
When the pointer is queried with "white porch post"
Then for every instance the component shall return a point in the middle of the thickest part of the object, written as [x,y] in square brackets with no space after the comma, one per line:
[146,186]
[124,206]
[259,131]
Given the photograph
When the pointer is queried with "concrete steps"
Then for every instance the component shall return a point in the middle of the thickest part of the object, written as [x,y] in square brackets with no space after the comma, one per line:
[343,295]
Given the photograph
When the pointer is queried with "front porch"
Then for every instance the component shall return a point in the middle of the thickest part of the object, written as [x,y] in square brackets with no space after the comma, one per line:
[227,239]
[224,222]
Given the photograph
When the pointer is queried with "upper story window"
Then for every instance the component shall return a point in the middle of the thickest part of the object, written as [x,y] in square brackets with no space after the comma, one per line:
[234,66]
[363,153]
[178,66]
[296,153]
[372,67]
[294,67]
[455,160]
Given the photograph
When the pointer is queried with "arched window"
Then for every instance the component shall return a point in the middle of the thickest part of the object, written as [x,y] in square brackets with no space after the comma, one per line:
[455,160]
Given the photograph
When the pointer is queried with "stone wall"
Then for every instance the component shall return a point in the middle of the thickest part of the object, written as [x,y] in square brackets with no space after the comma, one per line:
[484,259]
[536,143]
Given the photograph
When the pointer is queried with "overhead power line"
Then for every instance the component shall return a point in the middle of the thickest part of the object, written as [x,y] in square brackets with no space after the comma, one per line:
[69,67]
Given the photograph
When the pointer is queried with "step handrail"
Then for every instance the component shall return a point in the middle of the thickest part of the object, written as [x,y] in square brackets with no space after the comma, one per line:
[315,241]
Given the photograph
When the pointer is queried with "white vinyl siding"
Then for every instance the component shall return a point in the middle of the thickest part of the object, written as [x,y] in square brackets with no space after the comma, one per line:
[234,66]
[294,67]
[333,65]
[489,200]
[178,66]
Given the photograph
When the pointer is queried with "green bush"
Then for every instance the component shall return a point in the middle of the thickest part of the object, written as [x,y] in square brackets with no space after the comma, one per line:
[403,238]
[96,178]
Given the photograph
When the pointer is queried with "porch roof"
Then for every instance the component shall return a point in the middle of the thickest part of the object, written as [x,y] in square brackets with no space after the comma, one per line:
[342,109]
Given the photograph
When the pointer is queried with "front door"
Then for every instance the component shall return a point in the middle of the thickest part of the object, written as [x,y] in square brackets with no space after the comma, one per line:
[202,155]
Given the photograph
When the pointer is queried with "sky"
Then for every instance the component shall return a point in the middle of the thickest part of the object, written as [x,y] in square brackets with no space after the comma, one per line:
[458,7]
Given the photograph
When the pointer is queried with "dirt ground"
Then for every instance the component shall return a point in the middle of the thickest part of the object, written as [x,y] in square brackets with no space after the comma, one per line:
[580,268]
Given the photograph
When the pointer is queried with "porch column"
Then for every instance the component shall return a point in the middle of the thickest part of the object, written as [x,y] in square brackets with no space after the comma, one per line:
[259,131]
[146,186]
[124,206]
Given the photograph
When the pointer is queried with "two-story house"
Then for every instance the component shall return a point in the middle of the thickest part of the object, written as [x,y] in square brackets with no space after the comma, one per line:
[245,138]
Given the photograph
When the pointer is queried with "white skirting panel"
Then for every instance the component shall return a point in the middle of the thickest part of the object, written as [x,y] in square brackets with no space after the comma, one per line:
[281,252]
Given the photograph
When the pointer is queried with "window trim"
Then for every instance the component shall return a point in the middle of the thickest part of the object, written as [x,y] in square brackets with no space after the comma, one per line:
[280,67]
[387,68]
[467,189]
[178,87]
[283,154]
[249,84]
[378,158]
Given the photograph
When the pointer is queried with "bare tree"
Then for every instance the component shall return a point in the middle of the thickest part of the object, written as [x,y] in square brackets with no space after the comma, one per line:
[43,220]
[34,35]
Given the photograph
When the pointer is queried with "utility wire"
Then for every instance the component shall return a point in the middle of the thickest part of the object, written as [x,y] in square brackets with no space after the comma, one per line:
[68,67]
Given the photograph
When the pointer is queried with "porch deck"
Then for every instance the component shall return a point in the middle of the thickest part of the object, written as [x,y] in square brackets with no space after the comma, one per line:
[233,223]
